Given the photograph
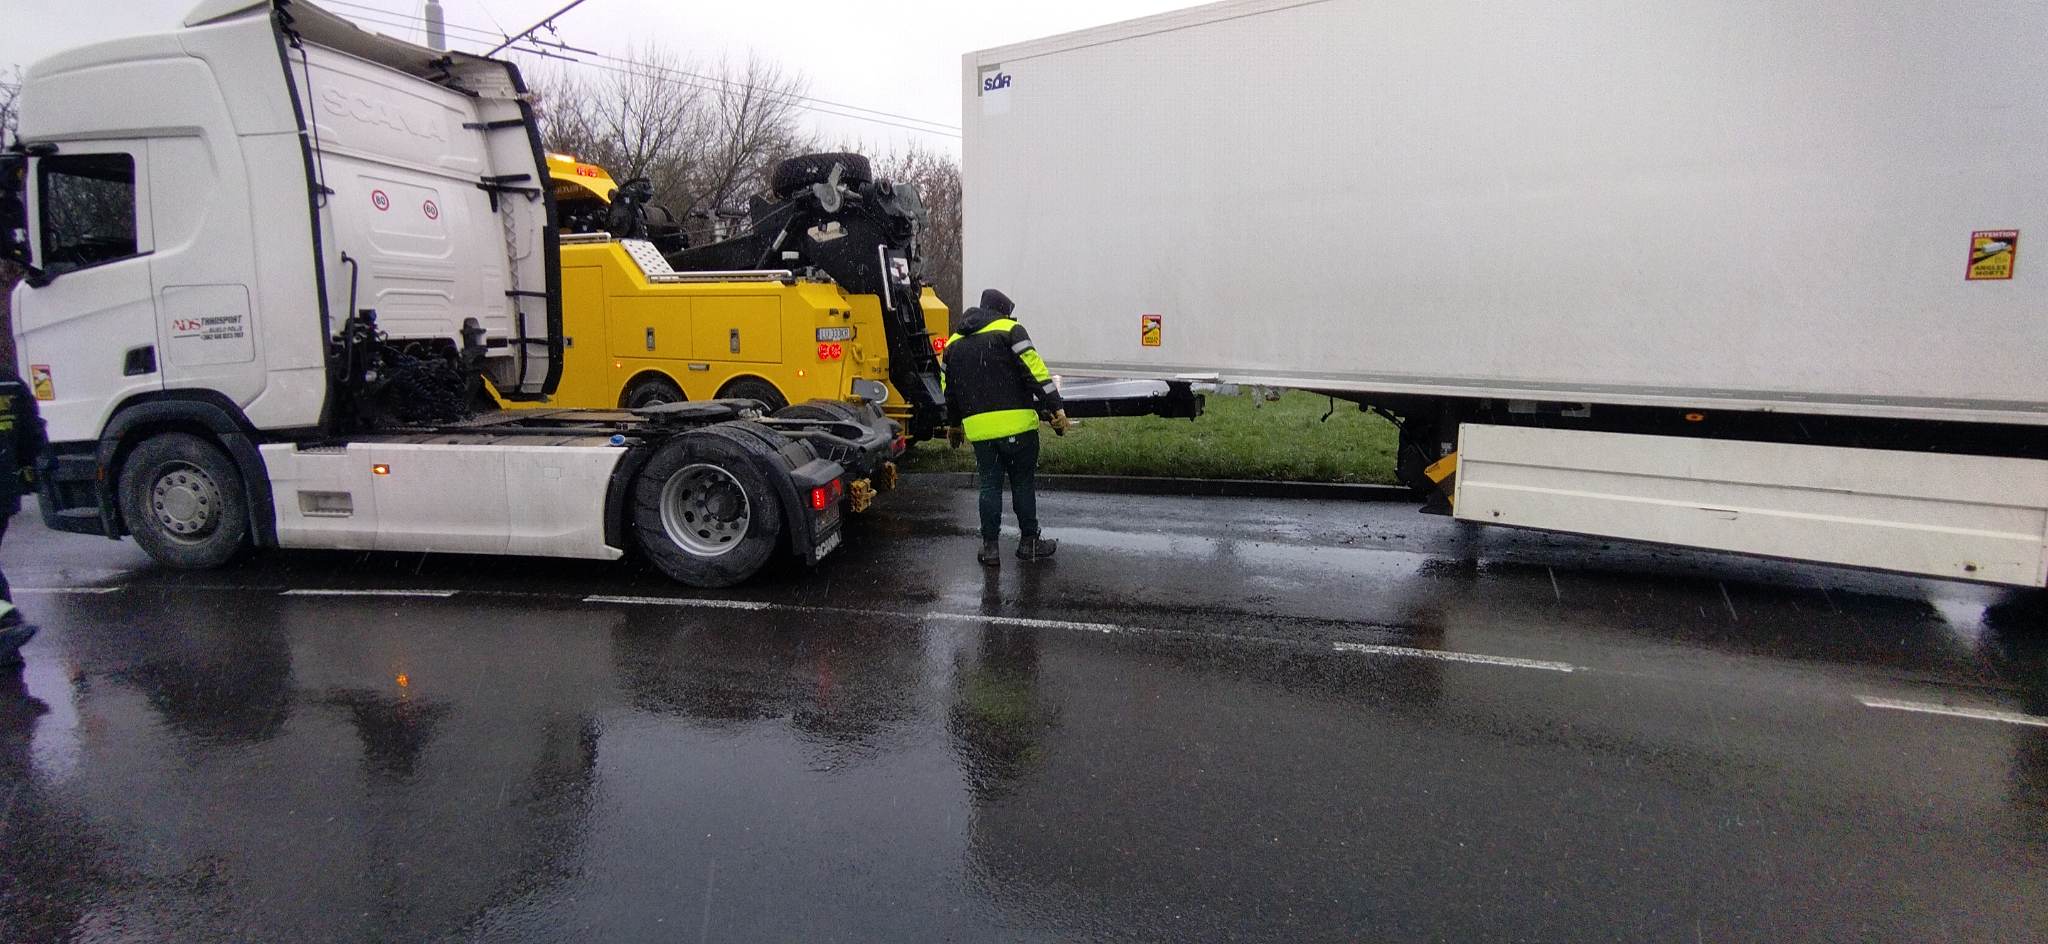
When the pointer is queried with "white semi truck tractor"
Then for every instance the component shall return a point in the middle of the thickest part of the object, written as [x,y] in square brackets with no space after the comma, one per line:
[1754,278]
[277,264]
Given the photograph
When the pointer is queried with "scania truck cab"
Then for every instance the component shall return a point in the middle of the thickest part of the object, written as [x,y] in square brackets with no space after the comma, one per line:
[275,263]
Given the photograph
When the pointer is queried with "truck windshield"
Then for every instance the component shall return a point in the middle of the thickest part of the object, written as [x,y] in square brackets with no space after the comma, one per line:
[88,210]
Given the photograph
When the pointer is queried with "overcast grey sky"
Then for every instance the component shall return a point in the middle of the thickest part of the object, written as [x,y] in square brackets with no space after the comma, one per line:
[900,56]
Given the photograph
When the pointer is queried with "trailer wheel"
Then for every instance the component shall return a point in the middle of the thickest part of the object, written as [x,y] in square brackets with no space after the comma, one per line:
[754,388]
[704,514]
[183,501]
[651,391]
[795,174]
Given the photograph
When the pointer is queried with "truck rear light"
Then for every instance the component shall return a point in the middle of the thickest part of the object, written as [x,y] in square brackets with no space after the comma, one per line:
[938,345]
[821,498]
[831,352]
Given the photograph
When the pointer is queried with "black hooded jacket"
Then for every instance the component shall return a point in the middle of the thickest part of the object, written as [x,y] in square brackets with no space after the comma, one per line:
[992,370]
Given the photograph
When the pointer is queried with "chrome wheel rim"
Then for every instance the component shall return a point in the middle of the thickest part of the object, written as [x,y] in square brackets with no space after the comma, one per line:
[705,510]
[186,502]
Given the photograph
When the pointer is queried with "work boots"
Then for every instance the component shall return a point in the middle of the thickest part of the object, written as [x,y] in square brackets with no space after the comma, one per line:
[1036,548]
[991,555]
[14,633]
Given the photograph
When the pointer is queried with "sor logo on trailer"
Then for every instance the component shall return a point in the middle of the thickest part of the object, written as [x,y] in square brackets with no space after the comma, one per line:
[993,89]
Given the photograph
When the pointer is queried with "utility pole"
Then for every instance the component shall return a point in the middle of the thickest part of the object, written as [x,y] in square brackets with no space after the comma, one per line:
[437,26]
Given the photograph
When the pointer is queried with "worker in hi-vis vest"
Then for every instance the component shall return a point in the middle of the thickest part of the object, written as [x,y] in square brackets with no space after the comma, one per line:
[997,387]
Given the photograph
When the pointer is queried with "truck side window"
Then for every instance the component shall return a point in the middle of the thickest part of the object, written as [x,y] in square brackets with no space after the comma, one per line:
[88,210]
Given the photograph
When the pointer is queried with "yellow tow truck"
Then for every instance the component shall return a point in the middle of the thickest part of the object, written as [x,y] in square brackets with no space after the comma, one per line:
[814,299]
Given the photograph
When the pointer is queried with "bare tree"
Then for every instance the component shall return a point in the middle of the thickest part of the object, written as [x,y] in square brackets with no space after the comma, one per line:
[10,125]
[749,125]
[937,176]
[10,100]
[633,121]
[706,138]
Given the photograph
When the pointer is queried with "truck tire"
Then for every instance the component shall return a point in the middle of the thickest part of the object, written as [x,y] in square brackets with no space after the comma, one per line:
[704,514]
[797,173]
[651,391]
[754,388]
[184,502]
[828,411]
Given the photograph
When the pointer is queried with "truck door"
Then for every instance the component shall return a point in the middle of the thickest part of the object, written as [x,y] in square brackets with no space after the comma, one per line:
[203,268]
[86,327]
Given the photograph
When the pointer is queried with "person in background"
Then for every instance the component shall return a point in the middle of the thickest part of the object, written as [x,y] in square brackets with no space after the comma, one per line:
[21,447]
[997,387]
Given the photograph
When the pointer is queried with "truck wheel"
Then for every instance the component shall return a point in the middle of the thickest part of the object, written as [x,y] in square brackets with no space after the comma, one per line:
[651,391]
[797,173]
[826,411]
[749,388]
[704,515]
[183,501]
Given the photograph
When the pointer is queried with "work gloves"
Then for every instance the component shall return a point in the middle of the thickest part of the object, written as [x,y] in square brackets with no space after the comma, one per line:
[1060,423]
[955,437]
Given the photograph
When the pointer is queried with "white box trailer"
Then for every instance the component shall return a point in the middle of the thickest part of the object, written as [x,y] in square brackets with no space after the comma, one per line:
[1794,224]
[274,260]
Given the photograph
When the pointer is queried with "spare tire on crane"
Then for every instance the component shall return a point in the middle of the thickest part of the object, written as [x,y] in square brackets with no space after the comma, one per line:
[798,173]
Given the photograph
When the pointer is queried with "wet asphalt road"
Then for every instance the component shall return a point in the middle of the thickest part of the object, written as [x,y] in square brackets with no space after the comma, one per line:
[1208,719]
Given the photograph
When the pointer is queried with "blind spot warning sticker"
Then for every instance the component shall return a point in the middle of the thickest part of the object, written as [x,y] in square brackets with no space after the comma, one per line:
[39,382]
[1148,330]
[1993,253]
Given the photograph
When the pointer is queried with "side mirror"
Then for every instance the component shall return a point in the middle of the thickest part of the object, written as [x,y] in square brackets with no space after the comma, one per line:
[14,244]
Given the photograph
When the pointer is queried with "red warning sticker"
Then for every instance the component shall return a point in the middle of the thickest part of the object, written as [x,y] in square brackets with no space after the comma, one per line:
[380,200]
[1993,254]
[433,212]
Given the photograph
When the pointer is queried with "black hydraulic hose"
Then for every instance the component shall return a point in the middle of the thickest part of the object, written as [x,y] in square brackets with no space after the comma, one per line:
[348,332]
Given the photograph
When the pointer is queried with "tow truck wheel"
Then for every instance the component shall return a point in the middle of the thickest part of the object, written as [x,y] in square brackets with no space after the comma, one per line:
[183,501]
[750,388]
[704,515]
[651,391]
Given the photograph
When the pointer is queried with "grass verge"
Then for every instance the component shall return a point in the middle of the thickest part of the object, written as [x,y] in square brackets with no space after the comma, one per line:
[1239,437]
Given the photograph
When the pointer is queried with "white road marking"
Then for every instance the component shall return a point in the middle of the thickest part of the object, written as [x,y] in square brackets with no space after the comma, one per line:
[436,594]
[1020,621]
[1978,714]
[687,601]
[65,589]
[1030,623]
[1444,656]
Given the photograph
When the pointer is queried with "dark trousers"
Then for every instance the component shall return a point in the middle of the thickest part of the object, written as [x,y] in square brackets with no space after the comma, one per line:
[6,592]
[1017,457]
